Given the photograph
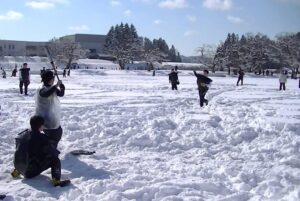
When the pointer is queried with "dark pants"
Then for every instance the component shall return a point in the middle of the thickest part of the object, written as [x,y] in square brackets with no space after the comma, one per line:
[36,168]
[202,94]
[54,135]
[174,86]
[26,83]
[282,85]
[240,79]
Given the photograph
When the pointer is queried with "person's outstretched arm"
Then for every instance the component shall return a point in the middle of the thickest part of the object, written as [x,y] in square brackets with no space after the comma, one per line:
[195,73]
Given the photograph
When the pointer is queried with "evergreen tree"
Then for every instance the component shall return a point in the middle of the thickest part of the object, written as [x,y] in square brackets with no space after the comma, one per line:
[178,58]
[123,42]
[172,54]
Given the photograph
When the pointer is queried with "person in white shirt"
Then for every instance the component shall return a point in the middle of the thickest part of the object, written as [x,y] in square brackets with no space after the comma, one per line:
[282,80]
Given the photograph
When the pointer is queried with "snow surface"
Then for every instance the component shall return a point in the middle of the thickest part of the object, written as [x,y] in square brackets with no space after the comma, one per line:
[153,143]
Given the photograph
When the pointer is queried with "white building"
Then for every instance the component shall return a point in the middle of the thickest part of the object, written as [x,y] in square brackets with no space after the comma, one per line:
[22,48]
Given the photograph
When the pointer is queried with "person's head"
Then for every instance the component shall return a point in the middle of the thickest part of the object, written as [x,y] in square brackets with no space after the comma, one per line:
[172,70]
[48,77]
[205,72]
[24,65]
[36,123]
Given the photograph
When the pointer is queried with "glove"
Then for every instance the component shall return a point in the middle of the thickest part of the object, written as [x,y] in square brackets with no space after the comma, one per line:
[62,87]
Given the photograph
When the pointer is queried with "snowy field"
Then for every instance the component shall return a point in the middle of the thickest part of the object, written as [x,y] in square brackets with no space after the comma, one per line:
[153,143]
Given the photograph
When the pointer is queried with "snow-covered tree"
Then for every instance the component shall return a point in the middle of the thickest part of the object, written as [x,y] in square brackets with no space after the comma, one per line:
[289,45]
[207,54]
[172,54]
[65,51]
[122,42]
[256,52]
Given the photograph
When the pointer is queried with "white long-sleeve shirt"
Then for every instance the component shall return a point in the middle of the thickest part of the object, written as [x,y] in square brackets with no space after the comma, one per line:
[283,78]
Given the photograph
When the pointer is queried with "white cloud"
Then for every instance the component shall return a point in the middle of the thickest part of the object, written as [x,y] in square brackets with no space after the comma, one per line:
[190,33]
[191,18]
[115,3]
[127,12]
[40,5]
[11,15]
[80,28]
[45,4]
[59,1]
[173,4]
[218,4]
[144,1]
[234,20]
[157,22]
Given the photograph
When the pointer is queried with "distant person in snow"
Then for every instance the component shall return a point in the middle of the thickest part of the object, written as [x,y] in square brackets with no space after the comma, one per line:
[203,81]
[3,73]
[241,77]
[282,80]
[42,71]
[69,71]
[64,72]
[24,78]
[41,155]
[14,72]
[173,79]
[48,105]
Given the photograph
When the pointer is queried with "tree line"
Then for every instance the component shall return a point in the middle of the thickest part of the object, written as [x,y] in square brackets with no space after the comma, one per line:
[123,42]
[258,52]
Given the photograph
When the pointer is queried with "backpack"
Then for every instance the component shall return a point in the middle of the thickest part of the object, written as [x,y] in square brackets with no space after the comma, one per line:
[21,157]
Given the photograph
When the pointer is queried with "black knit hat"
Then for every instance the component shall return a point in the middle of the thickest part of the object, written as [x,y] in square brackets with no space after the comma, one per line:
[47,76]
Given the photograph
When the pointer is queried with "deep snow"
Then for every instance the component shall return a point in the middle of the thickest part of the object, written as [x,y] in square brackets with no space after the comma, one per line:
[152,143]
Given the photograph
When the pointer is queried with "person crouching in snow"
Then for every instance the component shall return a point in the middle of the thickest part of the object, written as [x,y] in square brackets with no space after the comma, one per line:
[202,81]
[48,105]
[41,155]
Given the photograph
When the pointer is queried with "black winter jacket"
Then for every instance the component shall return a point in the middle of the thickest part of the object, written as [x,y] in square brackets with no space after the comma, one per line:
[39,149]
[173,77]
[25,74]
[47,90]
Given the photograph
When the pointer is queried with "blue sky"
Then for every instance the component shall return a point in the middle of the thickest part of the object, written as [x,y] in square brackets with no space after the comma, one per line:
[187,24]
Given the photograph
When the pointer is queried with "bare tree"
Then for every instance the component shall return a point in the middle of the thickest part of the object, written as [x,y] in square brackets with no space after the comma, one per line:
[65,51]
[207,55]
